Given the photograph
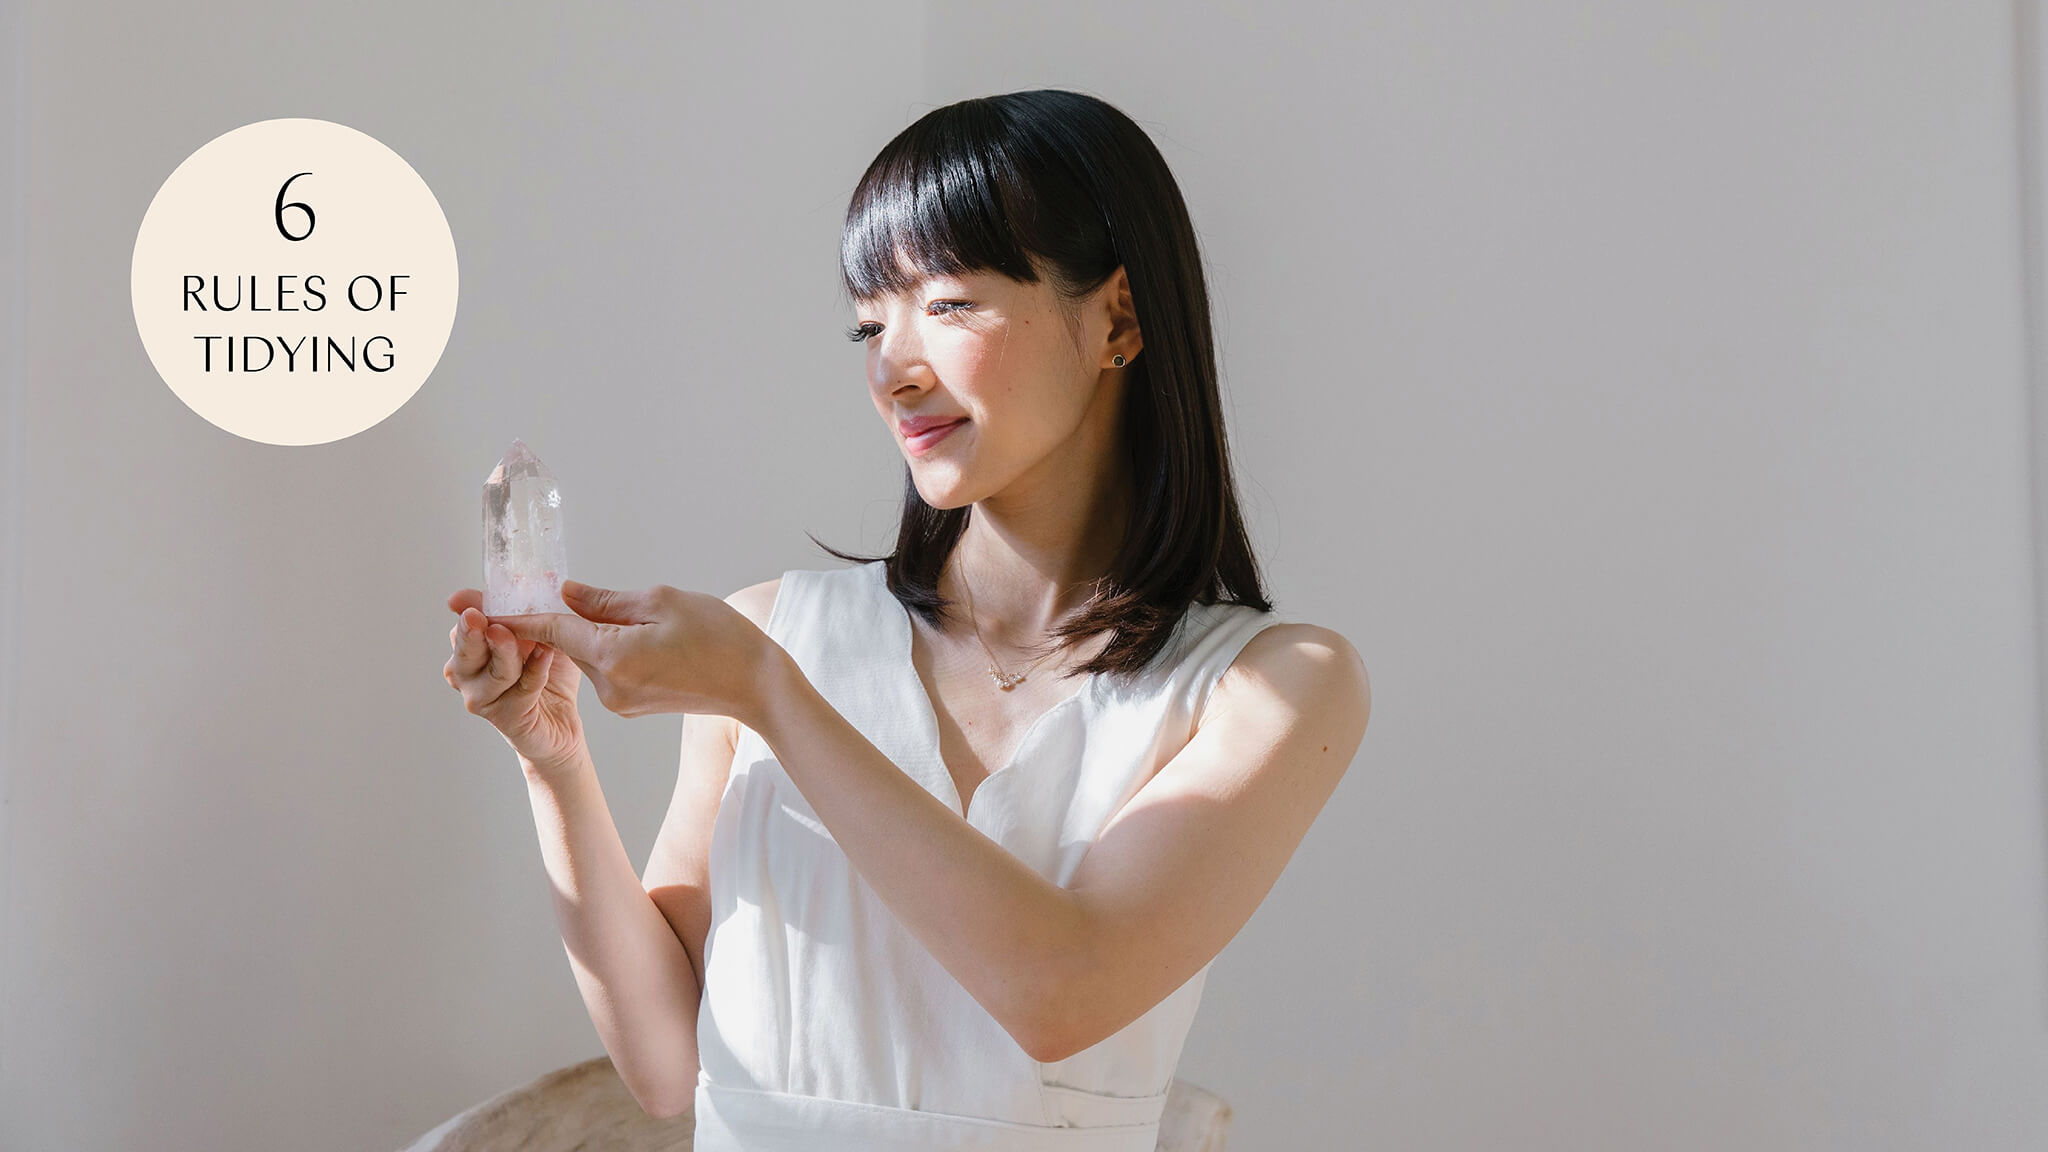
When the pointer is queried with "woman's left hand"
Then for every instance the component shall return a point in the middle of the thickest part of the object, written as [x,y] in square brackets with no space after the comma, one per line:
[658,649]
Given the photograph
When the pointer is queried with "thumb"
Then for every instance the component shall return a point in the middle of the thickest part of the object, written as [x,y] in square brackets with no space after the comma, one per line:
[604,605]
[575,636]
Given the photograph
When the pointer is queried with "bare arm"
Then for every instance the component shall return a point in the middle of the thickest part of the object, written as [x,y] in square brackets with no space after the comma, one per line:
[1171,879]
[633,971]
[1181,868]
[636,944]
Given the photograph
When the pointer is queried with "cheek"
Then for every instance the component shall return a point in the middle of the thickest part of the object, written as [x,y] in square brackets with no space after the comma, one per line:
[1022,360]
[983,360]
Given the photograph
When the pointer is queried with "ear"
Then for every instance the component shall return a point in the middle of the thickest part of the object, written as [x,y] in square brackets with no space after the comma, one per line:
[1123,338]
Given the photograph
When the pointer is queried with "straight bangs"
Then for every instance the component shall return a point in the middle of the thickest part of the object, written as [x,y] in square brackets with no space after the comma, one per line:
[945,197]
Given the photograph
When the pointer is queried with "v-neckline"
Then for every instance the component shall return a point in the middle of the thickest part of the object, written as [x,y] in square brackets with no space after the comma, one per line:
[934,745]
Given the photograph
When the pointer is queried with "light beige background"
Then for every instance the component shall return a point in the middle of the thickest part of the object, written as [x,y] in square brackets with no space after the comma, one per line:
[1640,387]
[351,316]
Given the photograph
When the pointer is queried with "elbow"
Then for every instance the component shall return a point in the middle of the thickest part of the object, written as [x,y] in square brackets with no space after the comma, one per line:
[666,1104]
[1053,1025]
[1059,1017]
[1043,1038]
[1049,1050]
[1039,1036]
[667,1111]
[1057,1033]
[670,1096]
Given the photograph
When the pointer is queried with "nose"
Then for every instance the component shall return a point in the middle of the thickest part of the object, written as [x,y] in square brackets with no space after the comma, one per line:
[898,362]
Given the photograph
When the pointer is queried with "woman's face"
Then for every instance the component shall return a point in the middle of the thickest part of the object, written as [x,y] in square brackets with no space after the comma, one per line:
[1000,355]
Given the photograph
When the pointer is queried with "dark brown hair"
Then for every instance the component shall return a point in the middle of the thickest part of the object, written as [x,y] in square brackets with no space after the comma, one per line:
[1065,182]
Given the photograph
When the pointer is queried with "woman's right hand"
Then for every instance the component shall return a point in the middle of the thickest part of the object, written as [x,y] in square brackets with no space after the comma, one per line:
[527,691]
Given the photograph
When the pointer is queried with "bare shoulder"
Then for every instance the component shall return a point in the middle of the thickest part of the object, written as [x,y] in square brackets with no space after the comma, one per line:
[756,601]
[1294,673]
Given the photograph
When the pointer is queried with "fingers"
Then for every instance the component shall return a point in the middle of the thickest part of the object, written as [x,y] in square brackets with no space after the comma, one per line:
[575,636]
[487,669]
[485,647]
[607,605]
[511,657]
[536,673]
[504,657]
[467,638]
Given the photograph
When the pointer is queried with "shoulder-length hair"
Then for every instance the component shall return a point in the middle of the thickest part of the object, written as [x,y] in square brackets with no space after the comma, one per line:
[1064,182]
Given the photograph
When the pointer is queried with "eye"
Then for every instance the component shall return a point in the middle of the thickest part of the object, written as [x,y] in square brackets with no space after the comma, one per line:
[868,330]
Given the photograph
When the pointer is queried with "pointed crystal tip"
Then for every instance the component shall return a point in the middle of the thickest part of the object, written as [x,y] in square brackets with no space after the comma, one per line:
[519,460]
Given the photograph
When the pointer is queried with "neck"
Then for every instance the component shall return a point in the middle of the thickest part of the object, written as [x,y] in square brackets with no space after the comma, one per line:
[1032,553]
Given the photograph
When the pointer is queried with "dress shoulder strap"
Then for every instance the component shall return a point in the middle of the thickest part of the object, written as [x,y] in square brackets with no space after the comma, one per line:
[819,611]
[1211,637]
[850,639]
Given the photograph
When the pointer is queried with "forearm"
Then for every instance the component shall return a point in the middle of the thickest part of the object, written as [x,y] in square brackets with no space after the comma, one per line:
[636,977]
[1011,937]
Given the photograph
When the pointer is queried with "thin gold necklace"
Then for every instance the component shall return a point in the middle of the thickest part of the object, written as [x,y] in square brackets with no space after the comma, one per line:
[1003,680]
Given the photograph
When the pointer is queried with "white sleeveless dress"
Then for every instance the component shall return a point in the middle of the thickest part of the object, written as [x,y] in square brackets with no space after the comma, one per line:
[825,1026]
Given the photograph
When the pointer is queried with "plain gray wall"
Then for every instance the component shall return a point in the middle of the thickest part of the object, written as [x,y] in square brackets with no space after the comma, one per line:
[1639,387]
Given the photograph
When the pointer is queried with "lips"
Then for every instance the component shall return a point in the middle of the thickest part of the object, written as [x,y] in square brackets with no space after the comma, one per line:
[933,431]
[917,425]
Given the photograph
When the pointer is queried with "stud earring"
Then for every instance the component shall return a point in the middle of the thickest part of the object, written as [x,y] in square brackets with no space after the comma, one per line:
[1117,360]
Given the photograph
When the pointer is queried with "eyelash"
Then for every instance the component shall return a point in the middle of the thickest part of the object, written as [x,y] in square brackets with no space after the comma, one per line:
[861,333]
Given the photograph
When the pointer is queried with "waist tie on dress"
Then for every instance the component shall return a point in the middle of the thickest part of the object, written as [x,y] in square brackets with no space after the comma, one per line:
[735,1119]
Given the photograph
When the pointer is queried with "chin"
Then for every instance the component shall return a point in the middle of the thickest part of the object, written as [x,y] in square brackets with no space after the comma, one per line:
[941,494]
[945,501]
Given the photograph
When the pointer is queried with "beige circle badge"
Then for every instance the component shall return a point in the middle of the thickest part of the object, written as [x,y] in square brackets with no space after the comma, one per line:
[294,281]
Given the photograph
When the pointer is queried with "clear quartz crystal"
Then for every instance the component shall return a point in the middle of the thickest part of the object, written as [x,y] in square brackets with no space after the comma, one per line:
[523,557]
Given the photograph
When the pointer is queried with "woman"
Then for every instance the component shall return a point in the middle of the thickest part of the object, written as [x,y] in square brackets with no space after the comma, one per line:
[958,829]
